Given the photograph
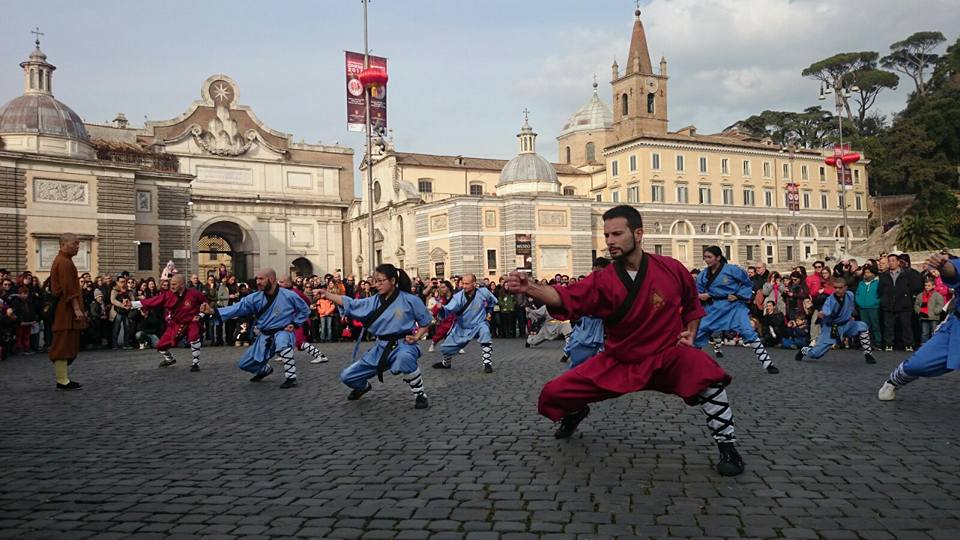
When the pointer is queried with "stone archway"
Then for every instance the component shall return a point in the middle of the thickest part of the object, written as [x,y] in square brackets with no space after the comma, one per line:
[301,267]
[226,241]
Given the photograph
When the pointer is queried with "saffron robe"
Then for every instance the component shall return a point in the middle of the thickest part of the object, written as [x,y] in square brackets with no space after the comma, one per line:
[641,351]
[180,313]
[287,308]
[65,285]
[722,314]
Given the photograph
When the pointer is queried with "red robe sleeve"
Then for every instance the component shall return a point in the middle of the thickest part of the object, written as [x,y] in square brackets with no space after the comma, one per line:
[580,299]
[155,301]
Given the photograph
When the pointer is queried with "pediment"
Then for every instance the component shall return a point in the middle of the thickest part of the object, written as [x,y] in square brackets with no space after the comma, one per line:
[437,254]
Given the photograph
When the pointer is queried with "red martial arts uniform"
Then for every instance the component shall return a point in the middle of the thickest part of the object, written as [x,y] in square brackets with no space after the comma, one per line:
[179,314]
[300,337]
[641,351]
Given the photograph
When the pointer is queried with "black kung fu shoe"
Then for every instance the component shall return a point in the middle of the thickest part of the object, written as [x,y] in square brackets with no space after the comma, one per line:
[487,367]
[731,464]
[260,376]
[772,369]
[570,422]
[357,394]
[799,356]
[869,358]
[72,385]
[421,402]
[441,365]
[289,383]
[167,363]
[194,368]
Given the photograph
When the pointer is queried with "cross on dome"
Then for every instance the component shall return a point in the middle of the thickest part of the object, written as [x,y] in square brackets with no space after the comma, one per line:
[37,33]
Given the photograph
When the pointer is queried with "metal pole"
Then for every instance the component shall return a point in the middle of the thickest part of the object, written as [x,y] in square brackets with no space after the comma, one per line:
[372,263]
[843,181]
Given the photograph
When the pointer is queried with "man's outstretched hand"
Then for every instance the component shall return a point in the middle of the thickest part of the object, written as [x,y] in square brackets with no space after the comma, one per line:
[685,338]
[516,282]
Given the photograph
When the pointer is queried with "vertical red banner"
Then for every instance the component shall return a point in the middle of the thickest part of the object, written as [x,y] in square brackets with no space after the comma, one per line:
[793,197]
[356,118]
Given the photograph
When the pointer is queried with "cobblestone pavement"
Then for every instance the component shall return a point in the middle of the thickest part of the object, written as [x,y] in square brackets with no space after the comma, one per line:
[143,452]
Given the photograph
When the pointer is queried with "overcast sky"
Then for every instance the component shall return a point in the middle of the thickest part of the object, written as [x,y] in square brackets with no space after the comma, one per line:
[460,72]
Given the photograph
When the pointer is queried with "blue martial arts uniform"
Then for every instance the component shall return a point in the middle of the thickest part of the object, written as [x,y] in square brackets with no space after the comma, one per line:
[391,327]
[722,314]
[471,323]
[585,341]
[287,308]
[941,353]
[839,314]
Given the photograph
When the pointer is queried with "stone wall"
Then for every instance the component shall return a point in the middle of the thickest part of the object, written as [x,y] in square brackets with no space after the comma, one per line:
[115,196]
[13,227]
[466,253]
[172,206]
[116,251]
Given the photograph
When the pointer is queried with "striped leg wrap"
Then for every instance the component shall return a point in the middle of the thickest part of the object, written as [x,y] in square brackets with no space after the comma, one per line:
[865,342]
[486,352]
[761,352]
[311,350]
[289,365]
[716,347]
[167,356]
[899,377]
[195,351]
[715,405]
[415,381]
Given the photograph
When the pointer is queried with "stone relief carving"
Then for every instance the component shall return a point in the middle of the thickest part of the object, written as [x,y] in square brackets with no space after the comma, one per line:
[490,218]
[222,136]
[552,218]
[59,191]
[438,223]
[144,201]
[437,254]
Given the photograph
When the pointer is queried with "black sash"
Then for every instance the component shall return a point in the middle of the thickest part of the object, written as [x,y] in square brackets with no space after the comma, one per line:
[383,364]
[711,277]
[633,288]
[469,298]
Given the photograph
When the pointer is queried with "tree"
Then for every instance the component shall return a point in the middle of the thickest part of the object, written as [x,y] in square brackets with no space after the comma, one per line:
[909,160]
[869,84]
[809,129]
[913,56]
[835,72]
[922,233]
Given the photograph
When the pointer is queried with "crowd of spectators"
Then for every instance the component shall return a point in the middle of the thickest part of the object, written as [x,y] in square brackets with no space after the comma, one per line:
[900,304]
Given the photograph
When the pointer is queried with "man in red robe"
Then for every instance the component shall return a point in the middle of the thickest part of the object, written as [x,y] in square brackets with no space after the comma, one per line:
[182,314]
[69,316]
[651,313]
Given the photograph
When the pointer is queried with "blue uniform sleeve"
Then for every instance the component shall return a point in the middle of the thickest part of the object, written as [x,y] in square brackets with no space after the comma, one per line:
[745,290]
[453,306]
[955,282]
[420,313]
[246,307]
[829,310]
[360,308]
[492,299]
[702,281]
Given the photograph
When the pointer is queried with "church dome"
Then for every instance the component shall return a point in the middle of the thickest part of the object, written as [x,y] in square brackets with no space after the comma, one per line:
[36,121]
[528,172]
[593,115]
[527,167]
[41,114]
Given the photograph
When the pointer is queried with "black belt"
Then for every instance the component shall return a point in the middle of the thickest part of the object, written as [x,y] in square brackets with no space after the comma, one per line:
[383,364]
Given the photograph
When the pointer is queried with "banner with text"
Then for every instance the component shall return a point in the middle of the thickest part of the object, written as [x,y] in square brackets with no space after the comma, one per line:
[356,116]
[793,197]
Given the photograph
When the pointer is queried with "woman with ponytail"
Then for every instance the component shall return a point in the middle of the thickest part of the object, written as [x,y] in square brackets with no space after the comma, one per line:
[392,316]
[725,292]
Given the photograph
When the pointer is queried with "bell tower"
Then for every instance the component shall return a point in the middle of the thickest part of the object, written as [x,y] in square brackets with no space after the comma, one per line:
[639,94]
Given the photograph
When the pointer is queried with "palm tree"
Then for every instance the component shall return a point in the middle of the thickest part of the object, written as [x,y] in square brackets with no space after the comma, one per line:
[922,232]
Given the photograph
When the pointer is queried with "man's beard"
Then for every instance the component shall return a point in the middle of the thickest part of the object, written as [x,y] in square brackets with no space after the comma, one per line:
[624,253]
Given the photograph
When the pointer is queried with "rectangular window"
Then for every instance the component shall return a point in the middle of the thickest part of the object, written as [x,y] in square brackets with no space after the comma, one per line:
[476,189]
[823,174]
[749,253]
[705,195]
[856,176]
[804,172]
[683,195]
[616,196]
[766,169]
[840,201]
[425,185]
[727,195]
[614,168]
[633,194]
[599,199]
[633,163]
[859,202]
[725,166]
[655,162]
[768,198]
[492,259]
[703,165]
[823,201]
[438,270]
[786,170]
[145,257]
[680,163]
[658,249]
[806,199]
[656,192]
[746,167]
[748,198]
[726,252]
[789,253]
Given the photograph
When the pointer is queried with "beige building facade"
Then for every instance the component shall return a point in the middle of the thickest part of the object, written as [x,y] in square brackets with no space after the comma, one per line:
[447,215]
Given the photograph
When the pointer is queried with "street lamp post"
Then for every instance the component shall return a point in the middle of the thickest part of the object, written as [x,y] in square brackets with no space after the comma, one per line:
[371,260]
[838,102]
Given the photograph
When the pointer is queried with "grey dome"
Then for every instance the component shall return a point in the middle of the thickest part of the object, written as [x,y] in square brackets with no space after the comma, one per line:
[592,116]
[41,114]
[527,167]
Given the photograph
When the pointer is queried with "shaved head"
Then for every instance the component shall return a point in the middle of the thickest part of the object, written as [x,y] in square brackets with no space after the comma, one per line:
[69,244]
[285,282]
[267,280]
[177,283]
[67,237]
[468,282]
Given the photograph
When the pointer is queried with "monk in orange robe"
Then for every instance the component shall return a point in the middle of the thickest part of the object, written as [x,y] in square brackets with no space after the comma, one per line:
[69,317]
